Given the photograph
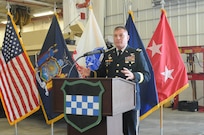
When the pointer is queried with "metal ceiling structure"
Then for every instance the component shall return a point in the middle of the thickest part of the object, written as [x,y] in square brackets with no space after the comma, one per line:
[156,3]
[32,6]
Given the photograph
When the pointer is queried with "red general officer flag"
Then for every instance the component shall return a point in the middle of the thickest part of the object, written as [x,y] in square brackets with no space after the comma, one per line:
[169,69]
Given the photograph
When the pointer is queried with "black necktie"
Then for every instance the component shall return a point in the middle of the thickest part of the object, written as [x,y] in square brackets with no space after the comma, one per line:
[119,52]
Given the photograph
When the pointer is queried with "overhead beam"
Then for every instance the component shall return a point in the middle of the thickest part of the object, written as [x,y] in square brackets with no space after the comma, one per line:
[32,2]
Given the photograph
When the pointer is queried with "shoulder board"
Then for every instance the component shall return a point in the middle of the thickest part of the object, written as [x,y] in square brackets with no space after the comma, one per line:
[138,50]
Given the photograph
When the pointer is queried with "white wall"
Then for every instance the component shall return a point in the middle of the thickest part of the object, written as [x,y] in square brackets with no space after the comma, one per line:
[185,18]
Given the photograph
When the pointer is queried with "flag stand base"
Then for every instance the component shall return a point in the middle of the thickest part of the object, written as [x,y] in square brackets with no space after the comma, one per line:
[176,100]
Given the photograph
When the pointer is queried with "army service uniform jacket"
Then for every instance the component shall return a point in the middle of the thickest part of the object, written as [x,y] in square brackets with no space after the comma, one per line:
[132,59]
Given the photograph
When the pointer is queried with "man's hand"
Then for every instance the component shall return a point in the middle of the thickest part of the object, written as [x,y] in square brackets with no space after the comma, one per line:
[128,73]
[85,72]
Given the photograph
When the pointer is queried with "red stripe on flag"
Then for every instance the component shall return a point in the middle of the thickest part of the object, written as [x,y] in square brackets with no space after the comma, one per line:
[4,90]
[15,91]
[32,83]
[22,92]
[33,95]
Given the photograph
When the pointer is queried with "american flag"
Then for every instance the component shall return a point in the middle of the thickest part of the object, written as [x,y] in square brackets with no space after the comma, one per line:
[18,88]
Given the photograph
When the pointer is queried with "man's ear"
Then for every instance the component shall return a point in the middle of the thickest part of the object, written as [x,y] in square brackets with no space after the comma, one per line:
[128,37]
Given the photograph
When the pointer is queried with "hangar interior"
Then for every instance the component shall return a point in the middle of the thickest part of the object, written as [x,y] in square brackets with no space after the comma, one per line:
[184,16]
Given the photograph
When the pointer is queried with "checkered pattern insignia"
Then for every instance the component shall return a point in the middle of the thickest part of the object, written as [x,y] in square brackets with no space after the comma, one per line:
[82,103]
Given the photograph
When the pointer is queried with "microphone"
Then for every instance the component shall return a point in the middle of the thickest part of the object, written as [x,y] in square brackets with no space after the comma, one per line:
[88,54]
[97,52]
[94,52]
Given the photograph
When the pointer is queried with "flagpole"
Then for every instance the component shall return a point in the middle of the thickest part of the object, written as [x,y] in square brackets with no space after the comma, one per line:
[127,6]
[162,3]
[161,108]
[130,5]
[161,120]
[124,11]
[52,128]
[52,124]
[8,7]
[55,7]
[16,129]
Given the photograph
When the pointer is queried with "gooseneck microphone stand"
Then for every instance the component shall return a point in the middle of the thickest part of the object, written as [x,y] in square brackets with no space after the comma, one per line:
[74,65]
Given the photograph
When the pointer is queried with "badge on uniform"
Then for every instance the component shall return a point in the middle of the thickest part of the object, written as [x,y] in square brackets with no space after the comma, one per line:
[109,60]
[130,58]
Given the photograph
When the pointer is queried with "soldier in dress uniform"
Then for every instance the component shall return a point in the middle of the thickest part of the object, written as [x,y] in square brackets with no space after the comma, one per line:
[127,63]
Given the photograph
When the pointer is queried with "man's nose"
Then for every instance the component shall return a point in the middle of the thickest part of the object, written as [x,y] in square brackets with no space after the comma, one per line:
[117,37]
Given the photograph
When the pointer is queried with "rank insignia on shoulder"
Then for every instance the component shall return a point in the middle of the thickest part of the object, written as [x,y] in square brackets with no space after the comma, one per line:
[138,50]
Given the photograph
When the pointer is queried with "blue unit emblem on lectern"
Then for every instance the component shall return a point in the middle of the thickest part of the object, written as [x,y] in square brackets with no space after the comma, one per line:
[82,103]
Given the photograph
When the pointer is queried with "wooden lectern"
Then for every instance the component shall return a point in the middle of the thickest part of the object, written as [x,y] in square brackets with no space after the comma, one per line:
[119,97]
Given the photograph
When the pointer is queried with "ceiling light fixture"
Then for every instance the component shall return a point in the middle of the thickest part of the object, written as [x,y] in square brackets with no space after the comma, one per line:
[4,22]
[43,14]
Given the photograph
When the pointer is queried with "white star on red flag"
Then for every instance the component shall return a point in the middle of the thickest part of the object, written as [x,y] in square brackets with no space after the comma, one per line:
[155,48]
[167,74]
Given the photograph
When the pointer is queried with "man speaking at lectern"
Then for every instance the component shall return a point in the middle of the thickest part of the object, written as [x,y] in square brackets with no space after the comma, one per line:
[127,63]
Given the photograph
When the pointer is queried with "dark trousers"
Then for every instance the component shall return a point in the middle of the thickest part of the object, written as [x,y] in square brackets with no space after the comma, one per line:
[129,122]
